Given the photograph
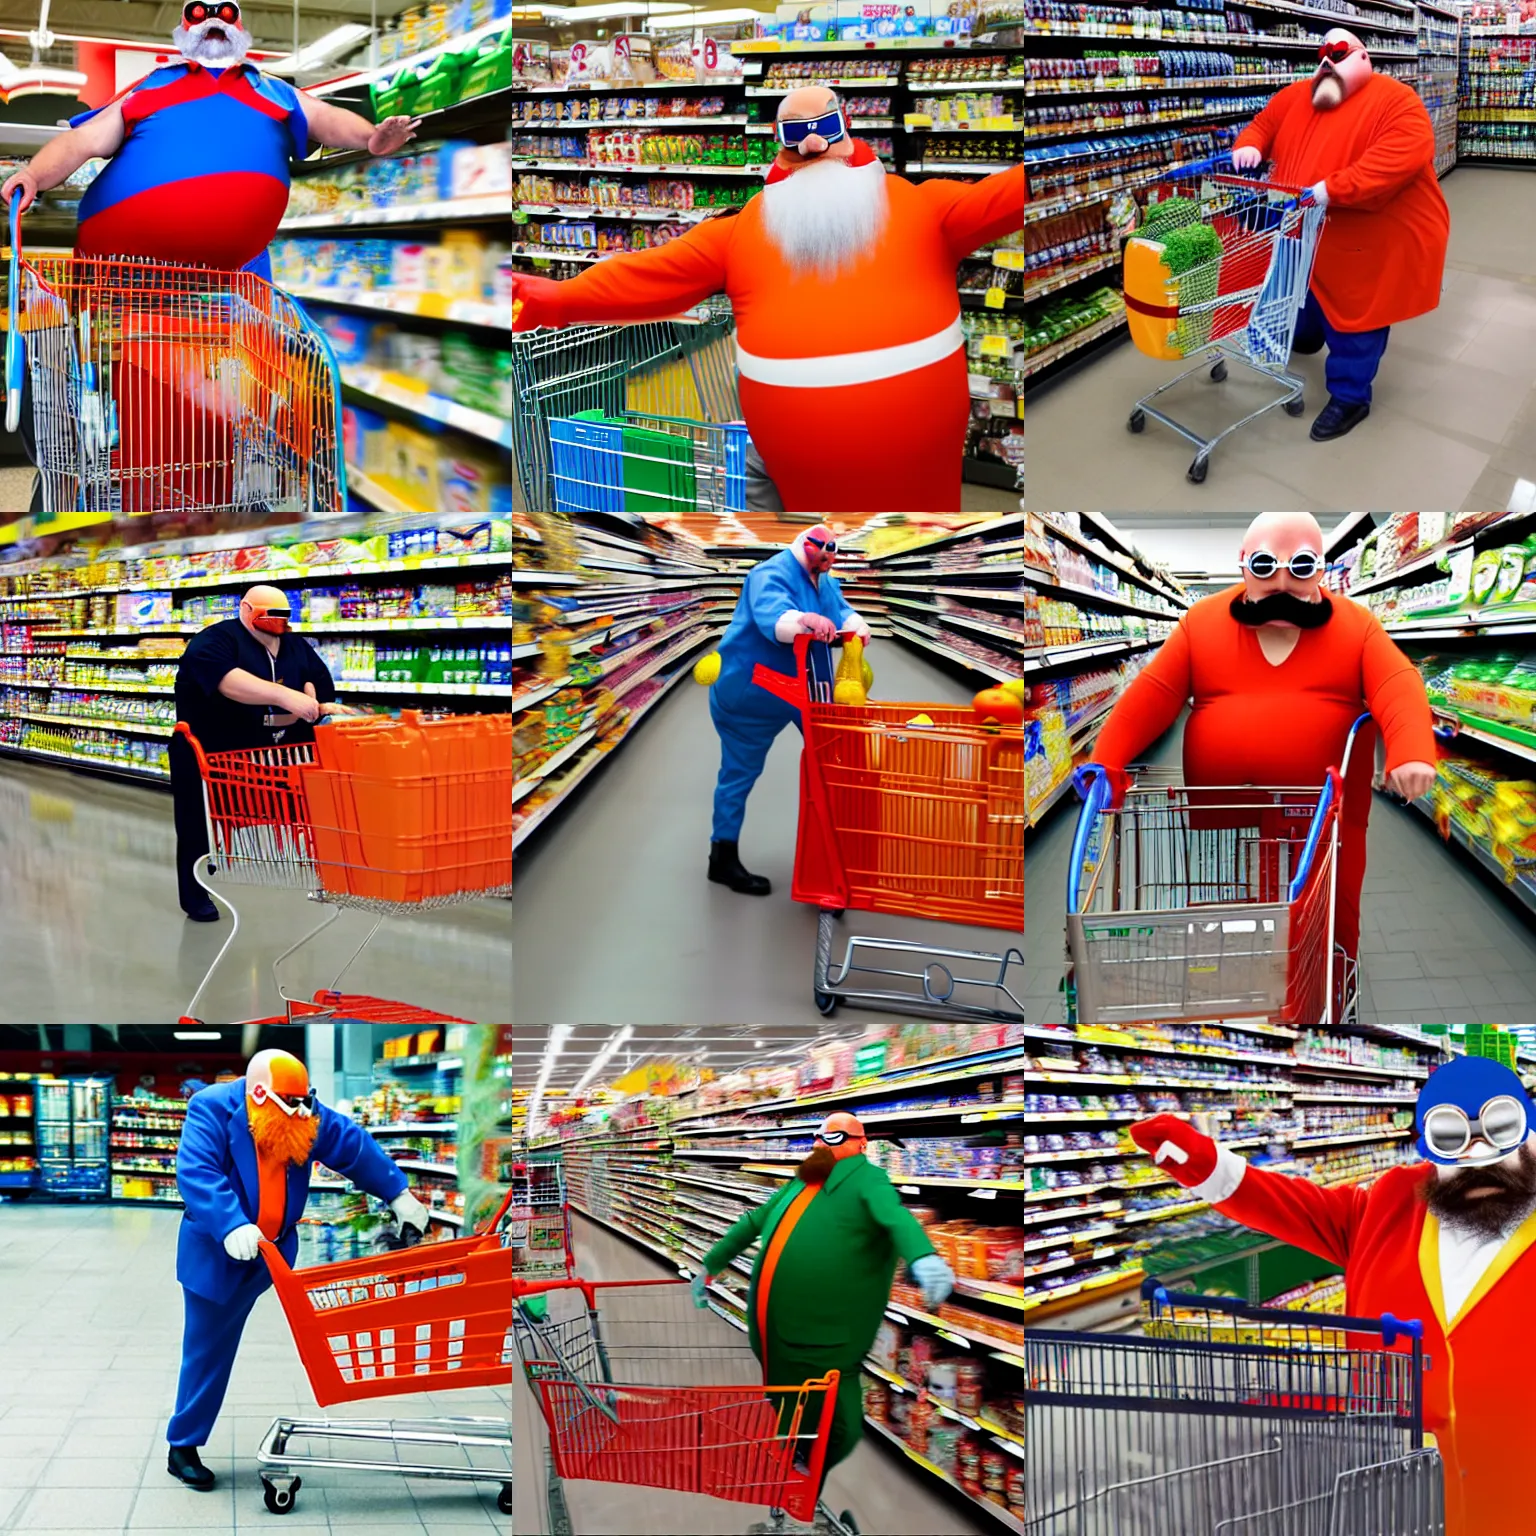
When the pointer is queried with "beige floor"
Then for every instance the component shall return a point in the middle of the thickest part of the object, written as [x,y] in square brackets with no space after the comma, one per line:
[1453,424]
[15,488]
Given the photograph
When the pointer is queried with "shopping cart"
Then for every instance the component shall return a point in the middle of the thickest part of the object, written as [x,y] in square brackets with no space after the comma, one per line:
[159,388]
[1238,304]
[913,810]
[1225,1419]
[639,418]
[1206,903]
[430,1318]
[383,816]
[541,1220]
[634,1390]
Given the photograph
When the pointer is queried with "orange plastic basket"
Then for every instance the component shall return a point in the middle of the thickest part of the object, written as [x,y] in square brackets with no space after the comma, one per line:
[916,820]
[426,1319]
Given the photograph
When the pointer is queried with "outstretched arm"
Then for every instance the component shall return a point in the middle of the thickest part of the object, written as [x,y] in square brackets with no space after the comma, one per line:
[99,137]
[645,285]
[974,213]
[337,128]
[1260,133]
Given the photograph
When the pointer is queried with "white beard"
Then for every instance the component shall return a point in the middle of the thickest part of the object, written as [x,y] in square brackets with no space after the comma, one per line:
[213,53]
[827,216]
[1327,92]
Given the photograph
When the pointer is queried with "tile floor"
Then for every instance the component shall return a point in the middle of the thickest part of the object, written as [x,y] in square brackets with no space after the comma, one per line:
[1453,424]
[90,1333]
[95,935]
[614,919]
[15,487]
[1438,942]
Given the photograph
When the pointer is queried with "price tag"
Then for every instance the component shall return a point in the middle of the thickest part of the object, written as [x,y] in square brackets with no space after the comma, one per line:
[919,120]
[997,298]
[994,346]
[998,124]
[1009,261]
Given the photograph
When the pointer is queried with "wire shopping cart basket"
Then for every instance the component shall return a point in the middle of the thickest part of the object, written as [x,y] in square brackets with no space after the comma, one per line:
[541,1220]
[387,817]
[431,1318]
[913,810]
[639,418]
[1224,1419]
[154,387]
[1221,274]
[638,1387]
[1205,903]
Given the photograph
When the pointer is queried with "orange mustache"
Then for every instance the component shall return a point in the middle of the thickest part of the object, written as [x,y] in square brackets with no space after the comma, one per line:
[288,1138]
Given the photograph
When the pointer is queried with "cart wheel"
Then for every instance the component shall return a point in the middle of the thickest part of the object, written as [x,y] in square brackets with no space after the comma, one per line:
[1138,421]
[1295,407]
[280,1501]
[848,1523]
[826,1004]
[1198,468]
[1219,372]
[504,1499]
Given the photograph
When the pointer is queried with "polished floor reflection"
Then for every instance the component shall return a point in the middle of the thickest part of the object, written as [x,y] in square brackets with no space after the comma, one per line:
[94,933]
[1453,423]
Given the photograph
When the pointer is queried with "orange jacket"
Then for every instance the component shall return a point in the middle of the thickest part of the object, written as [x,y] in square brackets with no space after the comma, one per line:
[1382,255]
[902,292]
[1254,723]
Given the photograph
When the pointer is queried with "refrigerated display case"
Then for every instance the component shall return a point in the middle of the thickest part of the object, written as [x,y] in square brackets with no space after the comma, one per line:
[72,1120]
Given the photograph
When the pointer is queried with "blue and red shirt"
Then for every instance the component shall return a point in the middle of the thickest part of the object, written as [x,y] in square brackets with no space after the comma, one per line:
[202,175]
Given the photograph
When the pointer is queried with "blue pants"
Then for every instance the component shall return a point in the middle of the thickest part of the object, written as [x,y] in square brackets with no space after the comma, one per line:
[744,743]
[1353,356]
[209,1342]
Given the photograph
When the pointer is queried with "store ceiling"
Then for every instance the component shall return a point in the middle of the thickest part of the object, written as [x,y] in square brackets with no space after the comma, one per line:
[271,22]
[723,1047]
[155,1039]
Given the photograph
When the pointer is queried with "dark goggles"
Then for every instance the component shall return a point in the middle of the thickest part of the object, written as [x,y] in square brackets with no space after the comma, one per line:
[830,545]
[1336,53]
[835,1138]
[297,1101]
[1449,1131]
[1302,565]
[196,12]
[794,131]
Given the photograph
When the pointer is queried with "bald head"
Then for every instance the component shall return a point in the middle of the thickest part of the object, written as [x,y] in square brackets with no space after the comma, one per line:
[1344,67]
[1284,535]
[808,101]
[812,104]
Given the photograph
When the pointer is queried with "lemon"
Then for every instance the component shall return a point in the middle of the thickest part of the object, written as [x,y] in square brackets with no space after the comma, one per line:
[707,668]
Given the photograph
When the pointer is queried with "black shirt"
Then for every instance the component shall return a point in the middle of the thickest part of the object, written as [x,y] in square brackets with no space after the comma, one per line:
[221,724]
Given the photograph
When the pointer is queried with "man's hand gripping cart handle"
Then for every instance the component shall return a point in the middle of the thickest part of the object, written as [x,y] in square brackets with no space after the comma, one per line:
[793,690]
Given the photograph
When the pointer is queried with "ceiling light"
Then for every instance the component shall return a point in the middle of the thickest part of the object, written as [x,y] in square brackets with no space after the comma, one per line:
[198,1034]
[557,1038]
[321,51]
[603,1057]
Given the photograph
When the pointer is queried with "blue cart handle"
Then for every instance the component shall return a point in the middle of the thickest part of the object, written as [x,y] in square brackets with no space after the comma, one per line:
[1091,782]
[15,359]
[1222,161]
[1390,1327]
[1320,816]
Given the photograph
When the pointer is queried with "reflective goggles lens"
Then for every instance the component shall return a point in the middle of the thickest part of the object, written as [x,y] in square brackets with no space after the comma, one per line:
[1335,53]
[830,545]
[793,132]
[1302,565]
[197,11]
[1502,1124]
[832,1138]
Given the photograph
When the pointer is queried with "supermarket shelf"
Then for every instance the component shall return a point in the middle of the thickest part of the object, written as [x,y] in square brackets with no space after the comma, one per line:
[407,1128]
[868,83]
[431,690]
[27,682]
[420,306]
[374,384]
[1522,886]
[949,1412]
[1509,744]
[626,215]
[532,696]
[1069,344]
[78,760]
[928,639]
[997,1511]
[649,168]
[418,1166]
[126,727]
[527,786]
[1304,1143]
[1083,650]
[1069,275]
[1103,86]
[456,211]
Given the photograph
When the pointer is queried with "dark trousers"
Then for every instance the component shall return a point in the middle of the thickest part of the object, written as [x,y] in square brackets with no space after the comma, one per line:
[191,823]
[1353,356]
[210,1338]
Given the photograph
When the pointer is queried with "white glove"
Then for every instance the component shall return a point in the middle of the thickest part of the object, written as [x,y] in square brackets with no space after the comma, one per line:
[409,1211]
[936,1278]
[1248,158]
[244,1243]
[858,627]
[1319,194]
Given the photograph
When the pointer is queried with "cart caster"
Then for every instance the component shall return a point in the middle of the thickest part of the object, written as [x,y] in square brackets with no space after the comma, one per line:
[504,1499]
[1198,468]
[826,1004]
[1138,421]
[1219,373]
[279,1493]
[1295,407]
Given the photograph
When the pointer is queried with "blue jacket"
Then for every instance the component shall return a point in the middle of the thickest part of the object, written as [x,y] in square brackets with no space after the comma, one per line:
[779,584]
[221,1187]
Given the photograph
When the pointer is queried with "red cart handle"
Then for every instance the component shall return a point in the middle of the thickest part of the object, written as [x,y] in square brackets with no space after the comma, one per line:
[792,689]
[183,729]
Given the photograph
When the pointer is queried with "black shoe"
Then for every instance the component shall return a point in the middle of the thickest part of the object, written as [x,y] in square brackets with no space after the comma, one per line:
[725,868]
[204,912]
[1336,418]
[1307,348]
[186,1464]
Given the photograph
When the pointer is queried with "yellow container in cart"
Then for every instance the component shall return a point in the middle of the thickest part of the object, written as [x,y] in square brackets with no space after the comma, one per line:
[1151,300]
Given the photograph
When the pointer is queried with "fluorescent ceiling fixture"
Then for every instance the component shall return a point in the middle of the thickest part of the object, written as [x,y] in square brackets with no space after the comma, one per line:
[198,1034]
[323,49]
[37,77]
[611,9]
[713,18]
[603,1057]
[557,1038]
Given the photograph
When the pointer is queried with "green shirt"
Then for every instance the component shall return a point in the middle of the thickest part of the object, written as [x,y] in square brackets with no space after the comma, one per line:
[833,1279]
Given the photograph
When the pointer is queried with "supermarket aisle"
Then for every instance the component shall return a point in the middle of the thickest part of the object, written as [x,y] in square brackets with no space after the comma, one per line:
[94,933]
[869,1483]
[615,919]
[1438,943]
[93,1312]
[1453,423]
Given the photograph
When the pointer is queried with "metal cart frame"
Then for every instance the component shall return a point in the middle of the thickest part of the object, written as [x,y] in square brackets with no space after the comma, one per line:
[1269,235]
[916,820]
[1226,1419]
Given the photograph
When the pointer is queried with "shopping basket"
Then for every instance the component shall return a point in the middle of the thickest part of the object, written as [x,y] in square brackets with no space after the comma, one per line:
[387,816]
[1236,304]
[1224,1419]
[913,810]
[639,418]
[1206,903]
[540,1219]
[158,388]
[634,1390]
[431,1318]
